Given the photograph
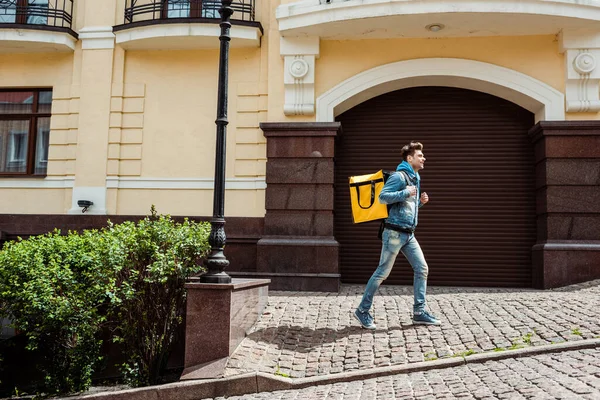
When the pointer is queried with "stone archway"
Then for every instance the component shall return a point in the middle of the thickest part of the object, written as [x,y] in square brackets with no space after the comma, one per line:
[536,96]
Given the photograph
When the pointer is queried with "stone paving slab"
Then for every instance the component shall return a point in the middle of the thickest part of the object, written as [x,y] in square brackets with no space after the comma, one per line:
[303,334]
[259,382]
[569,375]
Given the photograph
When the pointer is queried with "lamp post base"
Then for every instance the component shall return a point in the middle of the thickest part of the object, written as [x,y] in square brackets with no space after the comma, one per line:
[220,277]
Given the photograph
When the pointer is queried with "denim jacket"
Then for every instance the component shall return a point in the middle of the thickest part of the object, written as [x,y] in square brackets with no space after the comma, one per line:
[404,210]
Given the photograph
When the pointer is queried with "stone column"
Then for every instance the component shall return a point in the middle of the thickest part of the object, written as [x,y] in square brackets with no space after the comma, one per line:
[298,250]
[568,202]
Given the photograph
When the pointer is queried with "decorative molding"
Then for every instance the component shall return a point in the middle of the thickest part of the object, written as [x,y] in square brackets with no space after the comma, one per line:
[184,183]
[298,68]
[126,129]
[582,89]
[64,126]
[536,96]
[582,51]
[97,38]
[299,56]
[299,82]
[33,183]
[584,63]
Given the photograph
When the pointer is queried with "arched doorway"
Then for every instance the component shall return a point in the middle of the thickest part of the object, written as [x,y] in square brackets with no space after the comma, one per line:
[480,225]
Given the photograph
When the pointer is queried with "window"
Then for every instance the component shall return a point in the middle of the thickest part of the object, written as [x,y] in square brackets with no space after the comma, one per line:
[193,8]
[8,12]
[24,131]
[37,12]
[178,8]
[17,147]
[24,11]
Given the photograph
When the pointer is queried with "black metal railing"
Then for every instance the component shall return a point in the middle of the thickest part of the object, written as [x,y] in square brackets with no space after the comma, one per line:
[52,13]
[165,10]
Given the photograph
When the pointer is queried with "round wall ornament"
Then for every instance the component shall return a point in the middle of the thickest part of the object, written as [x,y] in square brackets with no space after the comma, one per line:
[584,63]
[299,68]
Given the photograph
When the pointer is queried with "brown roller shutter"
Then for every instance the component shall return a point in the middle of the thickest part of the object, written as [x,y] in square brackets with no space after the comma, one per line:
[479,227]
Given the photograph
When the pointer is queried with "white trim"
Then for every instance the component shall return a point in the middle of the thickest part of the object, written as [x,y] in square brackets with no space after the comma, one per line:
[97,38]
[536,96]
[297,45]
[184,183]
[185,36]
[34,183]
[308,13]
[36,40]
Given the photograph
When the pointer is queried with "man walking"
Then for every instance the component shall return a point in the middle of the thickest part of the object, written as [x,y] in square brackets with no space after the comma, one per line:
[402,191]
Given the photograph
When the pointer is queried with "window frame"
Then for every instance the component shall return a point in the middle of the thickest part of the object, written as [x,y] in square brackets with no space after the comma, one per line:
[195,9]
[39,147]
[32,133]
[21,12]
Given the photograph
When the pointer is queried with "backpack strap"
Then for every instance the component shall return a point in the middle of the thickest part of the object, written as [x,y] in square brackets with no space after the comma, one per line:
[382,226]
[372,183]
[406,177]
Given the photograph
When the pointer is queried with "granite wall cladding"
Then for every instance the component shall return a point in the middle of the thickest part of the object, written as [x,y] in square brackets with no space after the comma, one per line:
[568,202]
[298,250]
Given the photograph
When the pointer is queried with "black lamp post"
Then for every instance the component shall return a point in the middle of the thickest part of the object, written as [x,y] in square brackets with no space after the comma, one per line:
[217,261]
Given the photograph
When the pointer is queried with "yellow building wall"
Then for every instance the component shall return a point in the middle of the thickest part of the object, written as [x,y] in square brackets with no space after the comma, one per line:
[34,201]
[178,134]
[536,56]
[49,70]
[149,116]
[180,108]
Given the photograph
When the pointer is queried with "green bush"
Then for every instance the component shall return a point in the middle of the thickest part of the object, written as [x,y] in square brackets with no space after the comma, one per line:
[61,291]
[155,256]
[52,287]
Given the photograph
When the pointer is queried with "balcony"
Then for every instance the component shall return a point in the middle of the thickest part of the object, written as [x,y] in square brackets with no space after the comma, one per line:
[185,24]
[384,19]
[36,26]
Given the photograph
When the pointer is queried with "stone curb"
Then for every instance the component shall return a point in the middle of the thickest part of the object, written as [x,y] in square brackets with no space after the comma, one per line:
[257,382]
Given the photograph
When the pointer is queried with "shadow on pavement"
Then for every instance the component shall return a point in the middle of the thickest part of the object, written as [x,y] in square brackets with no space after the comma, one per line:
[303,340]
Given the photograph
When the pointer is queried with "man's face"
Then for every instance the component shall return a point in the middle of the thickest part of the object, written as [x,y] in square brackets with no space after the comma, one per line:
[416,161]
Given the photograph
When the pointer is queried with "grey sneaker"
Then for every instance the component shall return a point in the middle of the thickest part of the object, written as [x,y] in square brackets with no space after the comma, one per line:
[424,318]
[365,319]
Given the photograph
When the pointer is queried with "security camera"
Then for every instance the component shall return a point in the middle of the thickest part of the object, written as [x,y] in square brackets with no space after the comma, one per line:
[85,204]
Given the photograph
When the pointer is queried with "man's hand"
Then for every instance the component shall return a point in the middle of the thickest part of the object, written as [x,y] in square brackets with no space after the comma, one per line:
[412,191]
[424,198]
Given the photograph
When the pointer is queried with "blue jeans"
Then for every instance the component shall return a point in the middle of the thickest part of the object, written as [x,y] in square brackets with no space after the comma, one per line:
[393,243]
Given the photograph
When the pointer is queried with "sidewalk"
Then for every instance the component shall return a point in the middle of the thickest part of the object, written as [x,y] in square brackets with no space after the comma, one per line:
[309,346]
[313,334]
[571,375]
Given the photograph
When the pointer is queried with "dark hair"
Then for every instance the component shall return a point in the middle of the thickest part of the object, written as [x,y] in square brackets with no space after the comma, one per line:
[409,149]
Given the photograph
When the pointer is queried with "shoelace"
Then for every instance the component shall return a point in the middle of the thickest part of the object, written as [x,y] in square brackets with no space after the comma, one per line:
[425,313]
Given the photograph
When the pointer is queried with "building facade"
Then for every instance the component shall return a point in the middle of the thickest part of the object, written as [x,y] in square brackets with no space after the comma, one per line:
[114,102]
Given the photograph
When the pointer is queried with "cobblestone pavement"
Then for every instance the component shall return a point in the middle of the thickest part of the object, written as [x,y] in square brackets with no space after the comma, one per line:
[569,375]
[305,334]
